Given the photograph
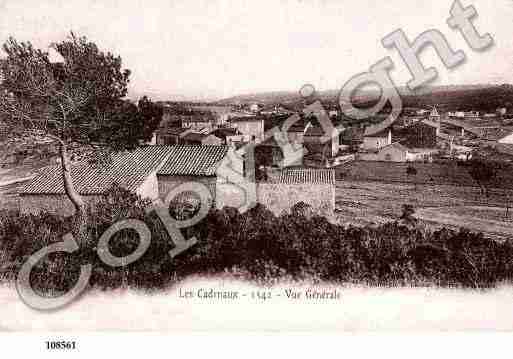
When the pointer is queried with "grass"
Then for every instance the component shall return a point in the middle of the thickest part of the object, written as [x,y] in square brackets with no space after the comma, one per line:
[363,203]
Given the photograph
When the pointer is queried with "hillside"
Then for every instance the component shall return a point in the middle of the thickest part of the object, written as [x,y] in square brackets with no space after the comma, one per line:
[449,98]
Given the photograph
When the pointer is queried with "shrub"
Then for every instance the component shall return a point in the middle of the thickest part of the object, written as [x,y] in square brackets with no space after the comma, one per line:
[257,246]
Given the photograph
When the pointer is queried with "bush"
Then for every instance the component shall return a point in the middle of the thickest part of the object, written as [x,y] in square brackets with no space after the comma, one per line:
[257,246]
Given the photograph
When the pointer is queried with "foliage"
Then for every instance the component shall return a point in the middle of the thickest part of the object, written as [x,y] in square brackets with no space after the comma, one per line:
[69,99]
[256,246]
[484,172]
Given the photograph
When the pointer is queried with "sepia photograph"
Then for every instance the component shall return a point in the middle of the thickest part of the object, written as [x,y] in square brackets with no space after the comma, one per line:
[247,166]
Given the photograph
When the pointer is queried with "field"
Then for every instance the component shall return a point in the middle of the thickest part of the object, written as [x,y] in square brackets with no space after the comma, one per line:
[374,193]
[360,203]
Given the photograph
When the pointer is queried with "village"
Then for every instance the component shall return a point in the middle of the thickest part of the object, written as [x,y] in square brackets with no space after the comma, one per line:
[424,147]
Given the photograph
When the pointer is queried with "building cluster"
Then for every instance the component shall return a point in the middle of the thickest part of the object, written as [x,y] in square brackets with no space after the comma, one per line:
[427,135]
[192,143]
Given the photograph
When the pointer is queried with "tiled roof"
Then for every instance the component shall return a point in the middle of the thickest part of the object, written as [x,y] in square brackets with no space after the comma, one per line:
[193,160]
[298,176]
[128,169]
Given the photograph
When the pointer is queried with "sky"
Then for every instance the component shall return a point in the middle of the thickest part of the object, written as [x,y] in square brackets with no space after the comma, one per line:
[210,49]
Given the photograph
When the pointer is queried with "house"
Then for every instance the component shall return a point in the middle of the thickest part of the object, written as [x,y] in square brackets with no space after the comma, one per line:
[396,152]
[472,114]
[314,187]
[171,136]
[434,115]
[316,140]
[193,138]
[150,172]
[192,163]
[422,112]
[251,127]
[135,171]
[408,120]
[228,135]
[255,107]
[198,121]
[375,141]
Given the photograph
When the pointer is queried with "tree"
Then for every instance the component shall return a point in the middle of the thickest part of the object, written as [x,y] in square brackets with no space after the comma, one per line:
[407,215]
[411,171]
[150,117]
[77,100]
[484,173]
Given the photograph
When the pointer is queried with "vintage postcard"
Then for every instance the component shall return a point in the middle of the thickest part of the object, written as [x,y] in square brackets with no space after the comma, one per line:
[271,166]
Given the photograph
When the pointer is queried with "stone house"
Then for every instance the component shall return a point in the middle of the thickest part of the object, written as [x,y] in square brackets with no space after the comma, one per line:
[251,127]
[148,171]
[197,164]
[171,136]
[136,171]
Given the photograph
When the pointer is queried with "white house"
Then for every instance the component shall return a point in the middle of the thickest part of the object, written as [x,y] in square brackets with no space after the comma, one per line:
[397,152]
[375,141]
[251,127]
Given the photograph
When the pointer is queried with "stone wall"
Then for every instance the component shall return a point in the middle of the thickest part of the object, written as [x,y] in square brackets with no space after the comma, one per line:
[280,198]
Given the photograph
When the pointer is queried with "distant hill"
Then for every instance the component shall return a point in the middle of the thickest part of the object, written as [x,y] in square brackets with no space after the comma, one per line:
[481,97]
